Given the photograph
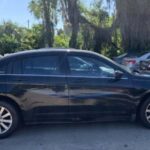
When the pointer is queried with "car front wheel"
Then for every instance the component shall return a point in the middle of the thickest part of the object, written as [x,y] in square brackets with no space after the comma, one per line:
[8,119]
[145,113]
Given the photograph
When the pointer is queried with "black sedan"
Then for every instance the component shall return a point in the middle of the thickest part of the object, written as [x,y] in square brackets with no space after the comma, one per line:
[63,85]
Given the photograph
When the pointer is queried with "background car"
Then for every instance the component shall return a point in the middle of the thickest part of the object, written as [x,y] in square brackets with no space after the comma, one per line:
[119,59]
[134,61]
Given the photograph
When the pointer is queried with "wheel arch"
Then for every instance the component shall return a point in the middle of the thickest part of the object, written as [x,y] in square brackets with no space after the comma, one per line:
[143,99]
[14,104]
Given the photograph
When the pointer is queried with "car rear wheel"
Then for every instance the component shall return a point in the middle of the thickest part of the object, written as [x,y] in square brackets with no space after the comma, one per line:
[8,119]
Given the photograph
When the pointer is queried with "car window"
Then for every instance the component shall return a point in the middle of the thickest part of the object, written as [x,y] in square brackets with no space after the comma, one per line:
[44,65]
[87,66]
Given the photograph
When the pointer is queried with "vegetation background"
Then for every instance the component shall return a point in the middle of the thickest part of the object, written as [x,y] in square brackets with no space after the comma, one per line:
[109,27]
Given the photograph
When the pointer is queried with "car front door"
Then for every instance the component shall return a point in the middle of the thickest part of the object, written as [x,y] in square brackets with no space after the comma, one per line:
[93,89]
[40,86]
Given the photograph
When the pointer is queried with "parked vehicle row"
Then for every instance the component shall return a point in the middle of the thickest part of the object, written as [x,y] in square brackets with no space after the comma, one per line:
[60,85]
[136,62]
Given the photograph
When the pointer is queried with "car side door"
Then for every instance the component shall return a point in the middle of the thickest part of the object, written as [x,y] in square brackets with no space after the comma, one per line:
[38,82]
[94,92]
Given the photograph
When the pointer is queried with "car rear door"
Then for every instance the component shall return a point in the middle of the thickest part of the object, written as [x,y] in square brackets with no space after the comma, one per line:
[38,81]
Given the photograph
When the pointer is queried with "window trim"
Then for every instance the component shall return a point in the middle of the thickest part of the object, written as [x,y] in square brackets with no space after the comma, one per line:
[22,58]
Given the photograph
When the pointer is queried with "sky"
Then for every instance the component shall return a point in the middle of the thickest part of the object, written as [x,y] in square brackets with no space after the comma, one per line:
[18,12]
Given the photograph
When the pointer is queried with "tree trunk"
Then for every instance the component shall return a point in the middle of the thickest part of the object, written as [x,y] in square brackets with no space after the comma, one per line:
[74,36]
[133,17]
[48,25]
[102,36]
[74,14]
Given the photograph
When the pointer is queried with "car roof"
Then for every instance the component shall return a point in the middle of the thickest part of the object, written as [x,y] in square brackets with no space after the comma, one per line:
[44,50]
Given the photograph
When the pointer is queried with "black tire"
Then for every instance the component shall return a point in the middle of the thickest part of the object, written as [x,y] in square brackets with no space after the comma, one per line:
[143,116]
[14,117]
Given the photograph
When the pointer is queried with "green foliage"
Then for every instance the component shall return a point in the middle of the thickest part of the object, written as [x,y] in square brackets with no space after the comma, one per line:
[61,40]
[96,14]
[8,44]
[10,35]
[14,38]
[35,7]
[45,10]
[32,38]
[92,28]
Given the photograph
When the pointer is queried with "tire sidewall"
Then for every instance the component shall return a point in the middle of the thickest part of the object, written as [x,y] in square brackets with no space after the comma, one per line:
[143,118]
[15,119]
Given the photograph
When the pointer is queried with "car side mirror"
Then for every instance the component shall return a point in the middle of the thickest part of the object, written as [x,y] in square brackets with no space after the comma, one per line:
[118,74]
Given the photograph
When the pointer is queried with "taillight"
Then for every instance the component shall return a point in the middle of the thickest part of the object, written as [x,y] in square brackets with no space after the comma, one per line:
[130,61]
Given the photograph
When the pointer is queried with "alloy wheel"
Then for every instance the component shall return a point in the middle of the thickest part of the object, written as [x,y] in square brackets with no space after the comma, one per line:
[6,120]
[147,113]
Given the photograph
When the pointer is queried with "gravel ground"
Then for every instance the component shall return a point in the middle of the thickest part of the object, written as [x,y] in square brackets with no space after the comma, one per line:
[95,136]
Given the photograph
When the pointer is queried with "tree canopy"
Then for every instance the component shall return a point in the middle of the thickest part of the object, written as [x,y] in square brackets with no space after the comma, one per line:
[109,27]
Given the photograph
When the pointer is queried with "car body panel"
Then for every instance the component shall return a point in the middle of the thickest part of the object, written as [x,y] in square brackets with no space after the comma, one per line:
[97,96]
[40,95]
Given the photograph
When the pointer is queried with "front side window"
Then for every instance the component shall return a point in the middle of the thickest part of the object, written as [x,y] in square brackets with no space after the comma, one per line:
[43,65]
[88,66]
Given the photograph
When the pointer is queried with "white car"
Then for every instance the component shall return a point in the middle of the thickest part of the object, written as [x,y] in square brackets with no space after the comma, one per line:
[145,57]
[134,62]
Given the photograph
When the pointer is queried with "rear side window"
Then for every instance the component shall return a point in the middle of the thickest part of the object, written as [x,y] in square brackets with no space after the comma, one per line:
[43,65]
